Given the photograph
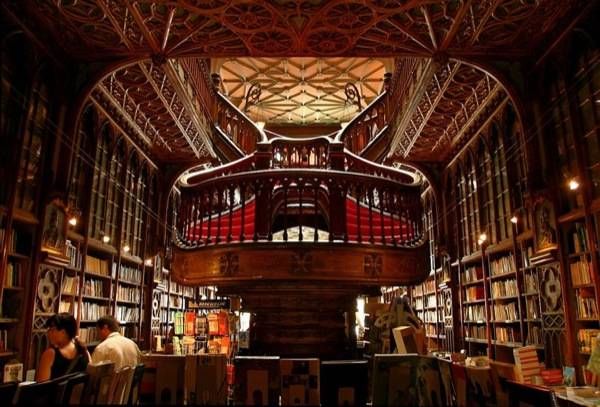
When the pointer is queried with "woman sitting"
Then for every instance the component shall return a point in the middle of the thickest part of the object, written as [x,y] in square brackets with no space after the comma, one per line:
[65,354]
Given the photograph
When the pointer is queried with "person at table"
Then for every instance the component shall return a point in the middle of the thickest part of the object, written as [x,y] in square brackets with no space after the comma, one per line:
[114,347]
[65,353]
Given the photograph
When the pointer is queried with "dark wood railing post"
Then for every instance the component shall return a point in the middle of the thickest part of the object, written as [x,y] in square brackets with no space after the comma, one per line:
[337,198]
[263,193]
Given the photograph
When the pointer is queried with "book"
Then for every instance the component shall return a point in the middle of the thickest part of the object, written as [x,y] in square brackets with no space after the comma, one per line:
[13,372]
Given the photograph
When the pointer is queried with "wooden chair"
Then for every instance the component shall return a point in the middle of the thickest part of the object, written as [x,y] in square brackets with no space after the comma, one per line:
[73,388]
[529,395]
[459,381]
[8,390]
[501,372]
[98,388]
[39,394]
[480,389]
[449,394]
[121,386]
[138,373]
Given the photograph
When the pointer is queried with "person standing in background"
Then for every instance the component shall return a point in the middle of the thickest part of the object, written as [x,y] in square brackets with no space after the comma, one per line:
[114,347]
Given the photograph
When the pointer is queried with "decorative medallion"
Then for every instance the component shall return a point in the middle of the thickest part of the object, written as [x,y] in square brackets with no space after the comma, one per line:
[373,264]
[551,290]
[229,264]
[301,262]
[47,290]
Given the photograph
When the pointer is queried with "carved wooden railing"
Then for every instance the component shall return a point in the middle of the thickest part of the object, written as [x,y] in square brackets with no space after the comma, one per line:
[305,187]
[366,126]
[253,206]
[237,126]
[300,153]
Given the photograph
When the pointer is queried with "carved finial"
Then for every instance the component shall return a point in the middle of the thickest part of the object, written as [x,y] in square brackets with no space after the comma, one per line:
[216,80]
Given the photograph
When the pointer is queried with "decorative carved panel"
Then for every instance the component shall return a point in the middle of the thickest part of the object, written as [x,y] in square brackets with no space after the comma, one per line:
[301,262]
[229,264]
[553,314]
[373,264]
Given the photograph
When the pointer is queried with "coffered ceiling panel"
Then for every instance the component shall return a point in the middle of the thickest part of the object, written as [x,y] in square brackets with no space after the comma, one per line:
[302,90]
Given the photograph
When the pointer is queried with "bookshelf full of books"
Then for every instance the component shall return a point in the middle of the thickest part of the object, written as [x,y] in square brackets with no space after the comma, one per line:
[129,295]
[97,289]
[18,238]
[530,296]
[505,305]
[473,305]
[583,293]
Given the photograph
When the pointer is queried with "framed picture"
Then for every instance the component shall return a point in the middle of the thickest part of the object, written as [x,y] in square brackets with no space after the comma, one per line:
[545,227]
[55,228]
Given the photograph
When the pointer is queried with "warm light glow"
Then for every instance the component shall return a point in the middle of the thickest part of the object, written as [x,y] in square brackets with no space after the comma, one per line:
[126,248]
[106,239]
[148,262]
[482,239]
[573,184]
[73,221]
[260,125]
[514,220]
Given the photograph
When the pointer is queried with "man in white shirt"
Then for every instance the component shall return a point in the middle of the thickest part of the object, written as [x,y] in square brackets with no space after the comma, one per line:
[114,346]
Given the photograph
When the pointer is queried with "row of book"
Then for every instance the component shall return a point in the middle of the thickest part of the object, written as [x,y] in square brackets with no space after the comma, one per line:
[587,339]
[94,288]
[532,307]
[534,335]
[580,272]
[4,347]
[128,294]
[586,308]
[507,334]
[88,335]
[96,266]
[579,238]
[70,285]
[127,314]
[506,288]
[475,331]
[474,313]
[531,283]
[474,273]
[92,311]
[12,277]
[68,306]
[474,293]
[130,274]
[73,254]
[505,312]
[502,265]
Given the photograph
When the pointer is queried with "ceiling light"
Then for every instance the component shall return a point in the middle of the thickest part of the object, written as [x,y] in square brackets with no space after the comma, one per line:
[573,184]
[126,248]
[260,125]
[106,238]
[73,221]
[148,261]
[482,239]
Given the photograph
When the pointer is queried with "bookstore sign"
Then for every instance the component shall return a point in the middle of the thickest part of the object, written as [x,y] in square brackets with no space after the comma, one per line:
[211,304]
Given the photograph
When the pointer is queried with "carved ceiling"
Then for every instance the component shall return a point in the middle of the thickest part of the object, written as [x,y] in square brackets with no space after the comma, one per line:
[439,98]
[302,90]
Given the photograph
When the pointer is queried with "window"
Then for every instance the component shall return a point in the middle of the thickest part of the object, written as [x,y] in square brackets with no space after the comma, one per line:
[98,202]
[500,179]
[29,170]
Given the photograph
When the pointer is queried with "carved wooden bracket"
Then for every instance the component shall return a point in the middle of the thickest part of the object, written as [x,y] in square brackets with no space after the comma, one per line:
[229,264]
[373,264]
